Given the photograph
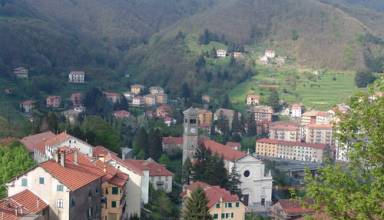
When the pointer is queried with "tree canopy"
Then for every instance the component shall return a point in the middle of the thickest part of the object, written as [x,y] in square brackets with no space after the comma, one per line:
[355,190]
[196,206]
[14,160]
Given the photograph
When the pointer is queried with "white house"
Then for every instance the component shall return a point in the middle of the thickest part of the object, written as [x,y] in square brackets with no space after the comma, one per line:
[221,53]
[76,77]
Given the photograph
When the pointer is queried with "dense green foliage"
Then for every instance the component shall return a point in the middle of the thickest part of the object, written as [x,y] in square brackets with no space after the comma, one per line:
[14,160]
[364,78]
[196,206]
[160,206]
[209,168]
[355,190]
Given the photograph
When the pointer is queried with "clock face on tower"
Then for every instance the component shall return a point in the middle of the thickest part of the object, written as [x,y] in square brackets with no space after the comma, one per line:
[193,130]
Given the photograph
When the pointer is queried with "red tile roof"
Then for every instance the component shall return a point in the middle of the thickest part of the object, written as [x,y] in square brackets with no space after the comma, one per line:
[112,175]
[319,126]
[155,169]
[60,138]
[23,203]
[121,114]
[100,151]
[233,144]
[226,152]
[213,193]
[291,143]
[294,207]
[28,102]
[173,140]
[73,176]
[37,140]
[280,125]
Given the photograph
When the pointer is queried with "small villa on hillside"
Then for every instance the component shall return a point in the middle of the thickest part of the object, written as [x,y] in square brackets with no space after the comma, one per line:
[221,53]
[21,72]
[76,77]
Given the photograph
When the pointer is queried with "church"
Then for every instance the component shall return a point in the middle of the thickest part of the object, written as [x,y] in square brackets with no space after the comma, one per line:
[256,185]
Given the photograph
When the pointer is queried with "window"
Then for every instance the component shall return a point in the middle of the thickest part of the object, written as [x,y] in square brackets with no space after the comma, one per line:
[73,203]
[222,215]
[41,180]
[60,188]
[237,204]
[218,205]
[226,205]
[24,182]
[60,203]
[215,216]
[232,215]
[246,173]
[226,215]
[115,190]
[114,204]
[230,205]
[262,201]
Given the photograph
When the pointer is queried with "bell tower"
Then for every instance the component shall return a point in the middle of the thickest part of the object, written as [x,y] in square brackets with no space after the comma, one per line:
[190,136]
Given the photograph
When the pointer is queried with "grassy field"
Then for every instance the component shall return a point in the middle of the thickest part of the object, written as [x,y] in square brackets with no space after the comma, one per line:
[319,91]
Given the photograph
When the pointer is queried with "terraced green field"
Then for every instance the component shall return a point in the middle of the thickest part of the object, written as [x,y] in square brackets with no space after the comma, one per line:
[320,91]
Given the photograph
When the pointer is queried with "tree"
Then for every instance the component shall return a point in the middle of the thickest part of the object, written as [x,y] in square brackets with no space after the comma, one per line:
[226,102]
[236,125]
[251,125]
[52,121]
[99,132]
[222,124]
[274,100]
[187,171]
[154,144]
[160,205]
[14,160]
[364,78]
[355,190]
[234,182]
[196,206]
[140,143]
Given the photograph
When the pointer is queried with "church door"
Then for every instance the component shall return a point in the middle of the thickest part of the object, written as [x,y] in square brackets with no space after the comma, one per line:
[245,199]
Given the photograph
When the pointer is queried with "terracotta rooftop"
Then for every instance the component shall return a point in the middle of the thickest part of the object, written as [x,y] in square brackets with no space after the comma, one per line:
[112,175]
[99,151]
[280,125]
[224,151]
[233,144]
[28,102]
[57,139]
[23,203]
[294,207]
[37,140]
[213,193]
[74,176]
[155,169]
[121,114]
[319,126]
[291,143]
[315,113]
[173,140]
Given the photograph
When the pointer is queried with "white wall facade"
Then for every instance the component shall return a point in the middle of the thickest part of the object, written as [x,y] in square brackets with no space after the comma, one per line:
[256,185]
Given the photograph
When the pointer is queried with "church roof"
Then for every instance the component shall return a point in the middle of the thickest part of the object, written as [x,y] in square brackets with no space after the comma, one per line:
[226,152]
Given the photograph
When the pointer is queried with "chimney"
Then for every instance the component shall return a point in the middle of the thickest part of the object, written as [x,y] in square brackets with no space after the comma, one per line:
[75,157]
[62,158]
[105,168]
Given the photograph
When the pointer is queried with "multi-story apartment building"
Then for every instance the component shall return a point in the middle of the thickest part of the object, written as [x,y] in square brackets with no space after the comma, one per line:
[221,203]
[284,131]
[262,113]
[319,134]
[205,117]
[291,150]
[70,185]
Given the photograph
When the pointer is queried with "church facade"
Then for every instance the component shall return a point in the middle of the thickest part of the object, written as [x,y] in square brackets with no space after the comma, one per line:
[256,185]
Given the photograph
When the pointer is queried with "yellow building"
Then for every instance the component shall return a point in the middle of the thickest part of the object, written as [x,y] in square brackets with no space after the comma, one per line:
[137,89]
[266,148]
[221,203]
[205,117]
[113,193]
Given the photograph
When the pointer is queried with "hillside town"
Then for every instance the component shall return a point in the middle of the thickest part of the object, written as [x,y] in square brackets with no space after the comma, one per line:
[88,181]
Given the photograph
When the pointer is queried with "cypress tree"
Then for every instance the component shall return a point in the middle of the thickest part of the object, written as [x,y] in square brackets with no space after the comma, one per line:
[140,142]
[196,206]
[187,171]
[251,130]
[234,182]
[154,144]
